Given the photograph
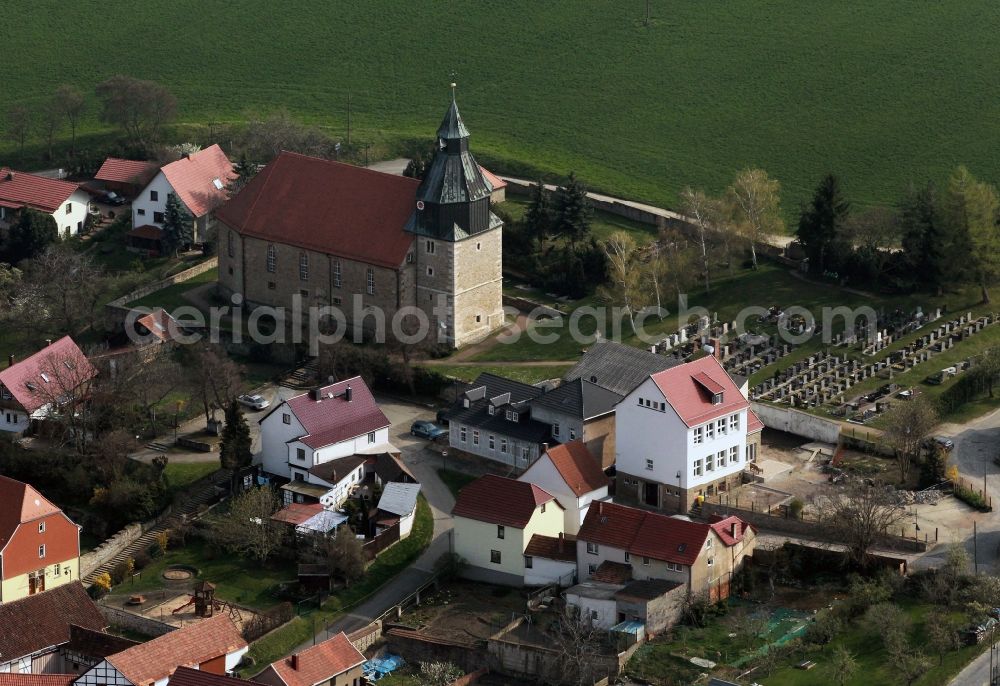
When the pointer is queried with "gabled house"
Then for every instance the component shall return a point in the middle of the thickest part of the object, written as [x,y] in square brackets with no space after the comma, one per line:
[580,409]
[39,544]
[198,180]
[334,662]
[36,628]
[65,202]
[704,558]
[495,519]
[617,367]
[492,419]
[212,645]
[572,474]
[327,423]
[398,504]
[654,603]
[682,433]
[339,477]
[39,385]
[126,177]
[185,676]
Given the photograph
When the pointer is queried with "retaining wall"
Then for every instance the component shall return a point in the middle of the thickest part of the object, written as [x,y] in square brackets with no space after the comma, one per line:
[116,310]
[797,422]
[132,622]
[109,548]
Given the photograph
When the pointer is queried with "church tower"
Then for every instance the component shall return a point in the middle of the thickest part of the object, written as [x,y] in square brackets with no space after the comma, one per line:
[459,246]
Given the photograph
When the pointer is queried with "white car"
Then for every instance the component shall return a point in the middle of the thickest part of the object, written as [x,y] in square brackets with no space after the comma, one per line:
[254,402]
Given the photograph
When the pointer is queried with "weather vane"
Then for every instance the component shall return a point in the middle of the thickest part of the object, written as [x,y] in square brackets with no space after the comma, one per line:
[454,85]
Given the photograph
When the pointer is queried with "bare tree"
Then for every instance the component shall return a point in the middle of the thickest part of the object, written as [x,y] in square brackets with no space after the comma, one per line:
[756,200]
[625,272]
[860,515]
[63,388]
[139,108]
[706,212]
[941,634]
[247,529]
[51,121]
[439,673]
[214,377]
[19,119]
[906,426]
[577,642]
[345,556]
[69,102]
[66,287]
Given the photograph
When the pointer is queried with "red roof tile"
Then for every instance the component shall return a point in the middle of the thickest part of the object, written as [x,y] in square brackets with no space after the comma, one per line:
[689,388]
[494,180]
[611,572]
[62,363]
[153,233]
[135,172]
[21,189]
[730,529]
[20,503]
[498,500]
[552,547]
[329,207]
[186,676]
[190,645]
[43,620]
[320,663]
[332,419]
[14,679]
[194,177]
[161,324]
[753,422]
[297,513]
[578,467]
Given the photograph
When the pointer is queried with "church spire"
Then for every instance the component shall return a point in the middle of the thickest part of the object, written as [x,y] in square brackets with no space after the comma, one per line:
[452,127]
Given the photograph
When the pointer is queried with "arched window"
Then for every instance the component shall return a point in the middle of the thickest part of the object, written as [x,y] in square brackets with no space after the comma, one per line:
[232,244]
[272,258]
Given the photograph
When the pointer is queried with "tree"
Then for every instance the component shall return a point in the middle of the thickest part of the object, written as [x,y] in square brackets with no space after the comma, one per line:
[757,206]
[139,108]
[823,629]
[19,125]
[244,171]
[538,218]
[859,515]
[821,224]
[706,213]
[28,238]
[69,102]
[345,556]
[235,449]
[247,529]
[213,376]
[572,212]
[972,209]
[576,642]
[67,287]
[873,232]
[906,424]
[923,237]
[177,226]
[265,137]
[908,660]
[625,274]
[439,673]
[843,665]
[941,634]
[51,121]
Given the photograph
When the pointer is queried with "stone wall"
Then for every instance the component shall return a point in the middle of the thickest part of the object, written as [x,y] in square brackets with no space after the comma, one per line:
[116,310]
[797,422]
[132,622]
[366,637]
[416,647]
[109,548]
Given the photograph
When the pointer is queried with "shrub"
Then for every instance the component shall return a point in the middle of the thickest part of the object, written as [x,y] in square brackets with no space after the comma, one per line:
[142,560]
[795,508]
[163,541]
[102,582]
[972,498]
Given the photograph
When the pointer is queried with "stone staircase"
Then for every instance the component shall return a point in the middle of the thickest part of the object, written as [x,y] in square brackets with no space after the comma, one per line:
[158,447]
[302,378]
[198,494]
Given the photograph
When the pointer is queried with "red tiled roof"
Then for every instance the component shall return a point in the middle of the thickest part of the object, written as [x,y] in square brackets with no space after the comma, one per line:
[20,503]
[186,676]
[753,422]
[552,547]
[326,206]
[578,467]
[689,387]
[43,620]
[498,500]
[611,572]
[320,663]
[193,179]
[63,363]
[153,233]
[135,172]
[190,645]
[724,528]
[15,679]
[20,189]
[160,324]
[334,419]
[297,513]
[494,180]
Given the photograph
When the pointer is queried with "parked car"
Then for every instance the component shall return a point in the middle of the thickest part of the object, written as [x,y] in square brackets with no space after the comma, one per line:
[111,198]
[945,443]
[254,402]
[426,429]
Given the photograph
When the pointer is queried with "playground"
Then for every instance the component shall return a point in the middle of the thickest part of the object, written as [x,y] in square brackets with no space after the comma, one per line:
[183,607]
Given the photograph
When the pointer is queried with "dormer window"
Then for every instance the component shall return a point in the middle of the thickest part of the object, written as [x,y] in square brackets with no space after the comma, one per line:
[717,399]
[516,418]
[491,409]
[510,415]
[45,377]
[465,402]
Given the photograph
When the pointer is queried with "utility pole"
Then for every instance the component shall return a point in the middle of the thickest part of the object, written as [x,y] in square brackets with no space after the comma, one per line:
[975,548]
[348,117]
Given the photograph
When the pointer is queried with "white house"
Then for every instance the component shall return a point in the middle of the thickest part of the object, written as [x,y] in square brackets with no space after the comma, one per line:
[682,433]
[573,475]
[327,423]
[398,503]
[65,202]
[198,180]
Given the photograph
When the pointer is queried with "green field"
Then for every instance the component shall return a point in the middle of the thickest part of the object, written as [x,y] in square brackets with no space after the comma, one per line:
[881,93]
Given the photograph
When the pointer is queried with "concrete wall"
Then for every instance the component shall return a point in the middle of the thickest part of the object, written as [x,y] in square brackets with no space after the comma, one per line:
[797,422]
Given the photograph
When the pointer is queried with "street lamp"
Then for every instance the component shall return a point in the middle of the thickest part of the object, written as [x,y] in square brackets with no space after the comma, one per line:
[444,460]
[680,502]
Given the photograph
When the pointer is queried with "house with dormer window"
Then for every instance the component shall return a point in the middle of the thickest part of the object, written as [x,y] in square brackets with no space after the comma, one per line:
[684,432]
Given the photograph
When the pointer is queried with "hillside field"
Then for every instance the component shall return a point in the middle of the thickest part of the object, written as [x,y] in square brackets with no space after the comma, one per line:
[881,93]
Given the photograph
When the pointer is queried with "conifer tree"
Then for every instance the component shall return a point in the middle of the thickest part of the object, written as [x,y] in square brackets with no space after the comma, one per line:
[235,450]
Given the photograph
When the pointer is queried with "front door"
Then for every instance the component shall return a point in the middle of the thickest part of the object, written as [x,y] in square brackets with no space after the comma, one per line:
[652,495]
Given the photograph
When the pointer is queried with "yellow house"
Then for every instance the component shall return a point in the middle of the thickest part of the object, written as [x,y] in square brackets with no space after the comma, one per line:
[494,521]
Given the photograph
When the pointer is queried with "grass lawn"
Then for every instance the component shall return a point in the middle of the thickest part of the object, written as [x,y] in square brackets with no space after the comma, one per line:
[602,225]
[455,481]
[698,92]
[532,374]
[390,563]
[180,475]
[171,297]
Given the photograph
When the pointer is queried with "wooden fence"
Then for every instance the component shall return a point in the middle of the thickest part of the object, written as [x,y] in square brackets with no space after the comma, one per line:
[385,539]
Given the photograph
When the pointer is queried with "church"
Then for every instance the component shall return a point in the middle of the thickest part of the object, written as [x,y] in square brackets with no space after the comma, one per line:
[337,235]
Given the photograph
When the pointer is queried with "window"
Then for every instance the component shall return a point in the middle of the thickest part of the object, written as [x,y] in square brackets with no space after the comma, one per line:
[555,428]
[495,557]
[493,442]
[673,567]
[304,293]
[371,437]
[510,415]
[56,570]
[734,455]
[751,452]
[158,217]
[710,430]
[475,437]
[430,271]
[709,464]
[69,208]
[572,434]
[720,459]
[286,418]
[500,531]
[336,274]
[595,615]
[272,259]
[409,258]
[543,508]
[479,318]
[734,423]
[230,271]
[528,562]
[336,300]
[592,548]
[154,195]
[503,445]
[626,556]
[45,377]
[699,435]
[491,410]
[463,434]
[271,285]
[516,418]
[708,542]
[711,561]
[371,281]
[300,454]
[591,569]
[720,426]
[525,454]
[645,561]
[41,527]
[649,465]
[142,213]
[303,266]
[697,467]
[430,247]
[218,184]
[41,551]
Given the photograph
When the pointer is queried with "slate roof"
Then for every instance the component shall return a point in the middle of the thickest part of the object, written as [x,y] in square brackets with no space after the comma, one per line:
[499,500]
[330,420]
[21,189]
[20,503]
[647,589]
[489,386]
[689,389]
[617,367]
[330,207]
[16,679]
[454,176]
[185,676]
[318,663]
[136,172]
[194,177]
[62,362]
[399,499]
[578,467]
[389,467]
[43,620]
[579,398]
[335,470]
[552,547]
[189,645]
[96,644]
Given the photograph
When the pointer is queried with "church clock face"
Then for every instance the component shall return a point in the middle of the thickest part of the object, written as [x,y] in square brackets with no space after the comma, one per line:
[420,204]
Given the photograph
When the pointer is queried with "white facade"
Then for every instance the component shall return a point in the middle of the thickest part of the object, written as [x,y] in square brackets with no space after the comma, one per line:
[595,602]
[105,674]
[544,474]
[151,204]
[72,214]
[340,491]
[654,443]
[14,421]
[544,571]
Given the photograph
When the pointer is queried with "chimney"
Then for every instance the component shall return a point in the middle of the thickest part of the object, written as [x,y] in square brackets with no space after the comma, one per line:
[294,659]
[716,347]
[347,394]
[600,507]
[48,342]
[316,394]
[545,447]
[10,360]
